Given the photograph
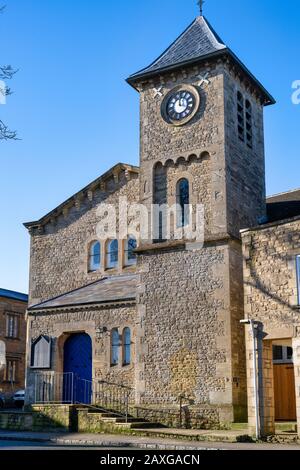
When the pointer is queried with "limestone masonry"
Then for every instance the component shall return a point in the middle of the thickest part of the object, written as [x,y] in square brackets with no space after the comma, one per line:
[162,317]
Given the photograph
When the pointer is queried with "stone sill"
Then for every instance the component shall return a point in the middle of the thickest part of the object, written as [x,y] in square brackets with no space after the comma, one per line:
[161,246]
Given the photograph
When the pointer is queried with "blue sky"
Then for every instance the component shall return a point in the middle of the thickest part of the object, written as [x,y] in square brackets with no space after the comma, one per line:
[76,115]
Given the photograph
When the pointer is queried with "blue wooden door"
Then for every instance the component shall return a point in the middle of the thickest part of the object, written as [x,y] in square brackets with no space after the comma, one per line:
[78,361]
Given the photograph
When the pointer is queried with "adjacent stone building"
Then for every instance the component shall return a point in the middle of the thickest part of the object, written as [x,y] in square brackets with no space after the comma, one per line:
[13,307]
[160,314]
[272,298]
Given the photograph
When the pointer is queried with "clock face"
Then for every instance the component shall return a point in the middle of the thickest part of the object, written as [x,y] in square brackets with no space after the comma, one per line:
[181,105]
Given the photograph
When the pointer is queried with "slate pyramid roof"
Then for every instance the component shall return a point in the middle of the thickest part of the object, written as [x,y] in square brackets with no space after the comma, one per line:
[198,42]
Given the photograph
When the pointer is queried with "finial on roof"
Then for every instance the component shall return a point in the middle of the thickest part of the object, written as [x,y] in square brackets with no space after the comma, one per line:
[201,3]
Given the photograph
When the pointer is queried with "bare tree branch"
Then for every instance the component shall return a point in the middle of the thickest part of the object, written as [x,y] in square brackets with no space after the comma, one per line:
[8,91]
[6,133]
[6,73]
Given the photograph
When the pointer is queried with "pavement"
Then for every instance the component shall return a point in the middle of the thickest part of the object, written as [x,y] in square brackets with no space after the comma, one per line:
[107,441]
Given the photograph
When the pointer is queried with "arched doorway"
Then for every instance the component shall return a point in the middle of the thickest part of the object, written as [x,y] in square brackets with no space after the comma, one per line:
[78,365]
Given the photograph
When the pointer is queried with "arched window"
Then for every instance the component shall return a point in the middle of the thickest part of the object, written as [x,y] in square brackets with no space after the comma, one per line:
[95,256]
[130,246]
[126,340]
[112,254]
[114,347]
[183,200]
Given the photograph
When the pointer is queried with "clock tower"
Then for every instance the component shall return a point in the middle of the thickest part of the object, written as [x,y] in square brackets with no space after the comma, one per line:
[201,113]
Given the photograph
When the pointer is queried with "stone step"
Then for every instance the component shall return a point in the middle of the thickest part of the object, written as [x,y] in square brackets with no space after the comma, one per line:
[120,420]
[146,425]
[102,415]
[135,425]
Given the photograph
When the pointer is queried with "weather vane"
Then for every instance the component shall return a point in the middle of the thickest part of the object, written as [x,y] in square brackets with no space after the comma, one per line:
[201,3]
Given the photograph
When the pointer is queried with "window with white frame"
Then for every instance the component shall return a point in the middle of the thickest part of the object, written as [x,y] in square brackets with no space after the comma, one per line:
[114,347]
[12,326]
[282,354]
[130,247]
[126,345]
[10,373]
[94,256]
[298,276]
[112,254]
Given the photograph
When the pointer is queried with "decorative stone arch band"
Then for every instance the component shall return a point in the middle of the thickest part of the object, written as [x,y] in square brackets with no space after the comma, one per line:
[183,159]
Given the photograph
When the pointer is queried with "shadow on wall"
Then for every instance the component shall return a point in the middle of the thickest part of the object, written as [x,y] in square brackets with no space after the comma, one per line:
[258,283]
[50,419]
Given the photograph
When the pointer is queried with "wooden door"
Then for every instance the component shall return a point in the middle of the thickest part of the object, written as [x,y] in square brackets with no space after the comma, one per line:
[284,390]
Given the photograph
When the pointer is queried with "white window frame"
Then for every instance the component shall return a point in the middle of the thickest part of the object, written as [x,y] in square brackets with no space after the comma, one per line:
[93,267]
[109,263]
[11,367]
[129,262]
[126,347]
[114,347]
[285,359]
[12,325]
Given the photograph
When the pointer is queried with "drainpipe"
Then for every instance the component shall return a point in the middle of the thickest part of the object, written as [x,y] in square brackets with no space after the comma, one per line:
[254,325]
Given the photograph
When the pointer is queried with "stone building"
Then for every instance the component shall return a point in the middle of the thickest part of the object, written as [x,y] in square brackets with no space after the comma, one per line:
[272,299]
[13,307]
[159,314]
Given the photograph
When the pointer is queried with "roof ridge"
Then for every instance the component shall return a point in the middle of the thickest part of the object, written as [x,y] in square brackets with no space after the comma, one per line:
[166,50]
[219,43]
[12,294]
[197,44]
[283,192]
[209,41]
[103,176]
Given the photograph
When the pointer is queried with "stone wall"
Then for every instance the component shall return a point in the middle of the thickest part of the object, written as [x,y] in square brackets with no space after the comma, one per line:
[270,277]
[245,166]
[59,255]
[192,143]
[188,318]
[271,298]
[56,418]
[15,347]
[59,325]
[191,417]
